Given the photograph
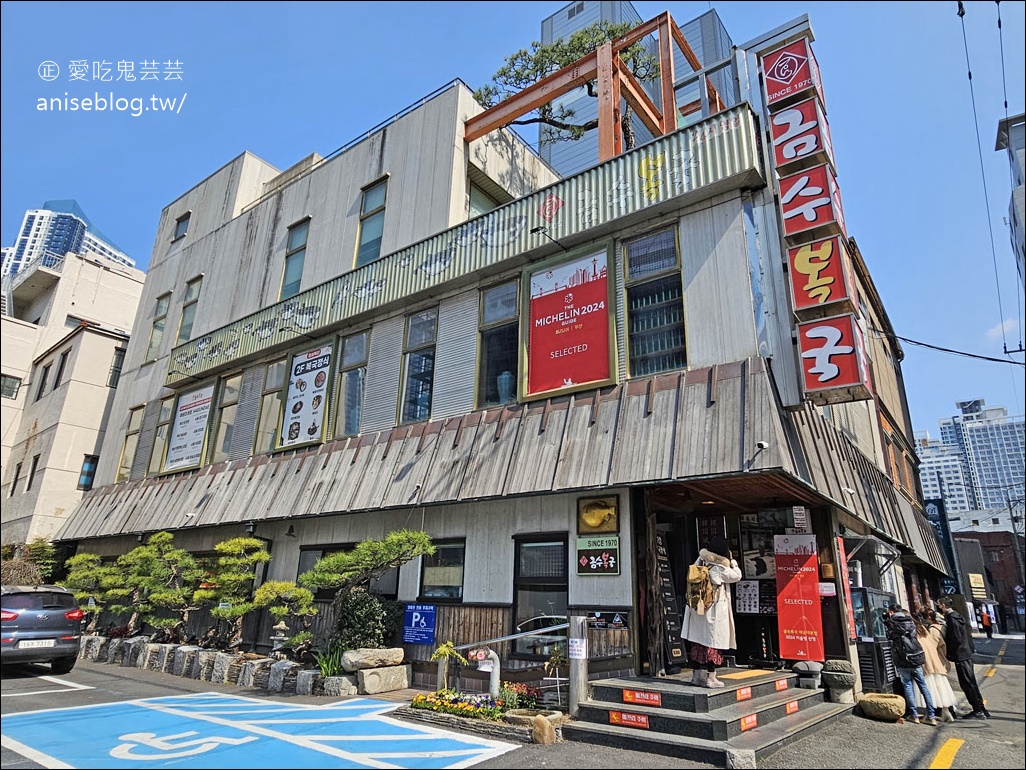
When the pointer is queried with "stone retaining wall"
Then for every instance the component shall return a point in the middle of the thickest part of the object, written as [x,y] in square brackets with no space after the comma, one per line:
[498,730]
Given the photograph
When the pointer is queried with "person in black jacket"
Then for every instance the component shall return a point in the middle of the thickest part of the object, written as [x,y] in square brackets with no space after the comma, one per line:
[960,649]
[908,660]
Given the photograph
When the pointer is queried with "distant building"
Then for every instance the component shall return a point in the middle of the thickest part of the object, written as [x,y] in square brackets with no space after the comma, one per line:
[1011,136]
[64,331]
[56,229]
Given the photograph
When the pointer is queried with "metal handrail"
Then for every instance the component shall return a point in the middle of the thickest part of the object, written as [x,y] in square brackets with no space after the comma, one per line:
[509,637]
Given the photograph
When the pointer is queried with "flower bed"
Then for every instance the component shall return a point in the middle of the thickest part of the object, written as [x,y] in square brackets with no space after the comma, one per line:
[512,695]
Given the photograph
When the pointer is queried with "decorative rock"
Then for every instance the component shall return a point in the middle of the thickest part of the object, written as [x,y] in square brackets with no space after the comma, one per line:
[308,682]
[335,686]
[100,654]
[371,657]
[376,680]
[148,657]
[255,673]
[90,647]
[183,659]
[884,706]
[135,647]
[203,665]
[838,680]
[116,651]
[526,716]
[282,673]
[165,658]
[222,665]
[542,731]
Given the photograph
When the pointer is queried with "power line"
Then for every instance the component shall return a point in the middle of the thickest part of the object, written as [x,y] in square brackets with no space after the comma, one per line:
[947,350]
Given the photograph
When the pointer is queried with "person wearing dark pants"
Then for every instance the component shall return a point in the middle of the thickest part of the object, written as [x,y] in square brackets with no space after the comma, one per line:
[960,649]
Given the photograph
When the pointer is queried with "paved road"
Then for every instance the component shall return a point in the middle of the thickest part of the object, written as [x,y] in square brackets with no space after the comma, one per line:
[106,716]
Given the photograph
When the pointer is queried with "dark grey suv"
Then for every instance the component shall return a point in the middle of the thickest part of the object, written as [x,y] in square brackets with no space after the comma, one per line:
[40,624]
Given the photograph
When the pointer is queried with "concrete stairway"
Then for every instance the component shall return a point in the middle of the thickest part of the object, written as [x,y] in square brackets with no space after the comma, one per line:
[756,713]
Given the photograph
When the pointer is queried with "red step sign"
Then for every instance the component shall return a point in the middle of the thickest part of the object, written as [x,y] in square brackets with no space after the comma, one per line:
[642,696]
[627,719]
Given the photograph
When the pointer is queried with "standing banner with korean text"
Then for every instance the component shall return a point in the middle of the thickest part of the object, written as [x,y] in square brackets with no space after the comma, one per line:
[798,604]
[185,444]
[306,401]
[568,339]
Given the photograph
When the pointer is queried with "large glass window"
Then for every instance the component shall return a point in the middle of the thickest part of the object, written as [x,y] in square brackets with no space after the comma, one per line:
[11,385]
[295,256]
[418,366]
[167,410]
[655,308]
[441,574]
[372,223]
[43,377]
[539,594]
[224,419]
[192,293]
[157,329]
[61,366]
[135,418]
[351,375]
[272,400]
[88,472]
[497,374]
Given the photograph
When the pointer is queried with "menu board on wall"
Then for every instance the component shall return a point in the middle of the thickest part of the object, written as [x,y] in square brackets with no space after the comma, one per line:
[306,402]
[568,340]
[671,606]
[185,444]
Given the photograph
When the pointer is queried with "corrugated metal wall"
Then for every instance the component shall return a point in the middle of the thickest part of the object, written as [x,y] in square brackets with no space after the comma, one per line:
[381,392]
[455,356]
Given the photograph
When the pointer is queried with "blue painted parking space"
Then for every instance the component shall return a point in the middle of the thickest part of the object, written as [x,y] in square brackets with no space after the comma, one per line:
[217,731]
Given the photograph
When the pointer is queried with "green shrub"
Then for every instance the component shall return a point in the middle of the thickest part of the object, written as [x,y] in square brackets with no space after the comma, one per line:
[360,621]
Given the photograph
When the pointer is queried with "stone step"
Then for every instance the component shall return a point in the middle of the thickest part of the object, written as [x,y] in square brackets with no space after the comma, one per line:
[676,693]
[741,751]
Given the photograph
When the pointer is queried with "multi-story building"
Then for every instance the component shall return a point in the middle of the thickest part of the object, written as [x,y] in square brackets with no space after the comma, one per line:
[1011,136]
[65,332]
[56,229]
[570,388]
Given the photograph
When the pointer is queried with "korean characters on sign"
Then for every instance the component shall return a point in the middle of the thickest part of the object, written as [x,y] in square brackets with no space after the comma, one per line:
[810,203]
[833,360]
[801,136]
[820,275]
[789,73]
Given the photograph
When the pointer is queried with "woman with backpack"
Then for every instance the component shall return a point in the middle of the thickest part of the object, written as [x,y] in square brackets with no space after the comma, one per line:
[709,627]
[935,670]
[908,660]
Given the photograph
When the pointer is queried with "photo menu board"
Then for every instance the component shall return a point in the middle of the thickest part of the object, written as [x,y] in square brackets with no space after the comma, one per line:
[306,401]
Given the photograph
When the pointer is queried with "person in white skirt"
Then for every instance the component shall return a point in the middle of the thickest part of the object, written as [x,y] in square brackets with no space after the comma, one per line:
[930,634]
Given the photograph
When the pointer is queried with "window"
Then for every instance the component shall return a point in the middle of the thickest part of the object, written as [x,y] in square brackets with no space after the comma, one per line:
[182,226]
[61,365]
[224,420]
[372,223]
[131,442]
[88,472]
[192,292]
[655,310]
[157,330]
[499,353]
[386,585]
[160,436]
[10,386]
[115,368]
[32,472]
[271,402]
[441,574]
[418,365]
[994,521]
[351,375]
[480,201]
[539,594]
[42,382]
[295,255]
[14,481]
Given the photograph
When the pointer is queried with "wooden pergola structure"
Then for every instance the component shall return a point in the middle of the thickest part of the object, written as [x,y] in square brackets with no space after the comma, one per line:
[615,82]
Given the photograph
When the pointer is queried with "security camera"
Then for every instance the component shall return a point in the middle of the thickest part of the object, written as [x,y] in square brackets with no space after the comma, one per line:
[760,445]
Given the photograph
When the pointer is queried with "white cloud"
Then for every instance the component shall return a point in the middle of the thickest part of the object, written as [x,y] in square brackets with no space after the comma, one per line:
[1008,327]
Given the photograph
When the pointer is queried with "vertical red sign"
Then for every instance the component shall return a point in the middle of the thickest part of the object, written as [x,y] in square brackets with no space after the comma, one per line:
[809,200]
[568,341]
[789,72]
[801,132]
[798,604]
[831,349]
[819,273]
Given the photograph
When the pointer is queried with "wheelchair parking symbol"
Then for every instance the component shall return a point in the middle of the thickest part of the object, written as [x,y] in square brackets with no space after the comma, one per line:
[167,748]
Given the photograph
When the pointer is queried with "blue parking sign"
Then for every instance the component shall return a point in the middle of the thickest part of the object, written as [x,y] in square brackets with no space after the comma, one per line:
[419,624]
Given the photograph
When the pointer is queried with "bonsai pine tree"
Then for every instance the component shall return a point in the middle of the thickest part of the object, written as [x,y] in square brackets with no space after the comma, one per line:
[89,578]
[230,589]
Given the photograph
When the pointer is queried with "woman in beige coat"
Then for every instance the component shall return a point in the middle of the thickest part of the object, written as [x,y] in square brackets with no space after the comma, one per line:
[930,634]
[711,633]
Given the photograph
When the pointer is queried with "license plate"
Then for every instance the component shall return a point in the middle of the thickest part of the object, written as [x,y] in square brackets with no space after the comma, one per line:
[26,644]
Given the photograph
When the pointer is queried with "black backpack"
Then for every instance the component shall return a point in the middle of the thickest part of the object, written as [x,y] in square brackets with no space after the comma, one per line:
[910,651]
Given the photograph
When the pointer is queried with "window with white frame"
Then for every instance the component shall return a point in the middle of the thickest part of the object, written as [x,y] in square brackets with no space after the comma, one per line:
[372,222]
[295,256]
[157,328]
[135,418]
[192,293]
[655,308]
[499,351]
[352,373]
[418,366]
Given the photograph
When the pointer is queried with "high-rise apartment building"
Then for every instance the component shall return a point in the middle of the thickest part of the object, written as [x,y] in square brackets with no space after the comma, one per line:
[978,462]
[705,34]
[56,229]
[1012,137]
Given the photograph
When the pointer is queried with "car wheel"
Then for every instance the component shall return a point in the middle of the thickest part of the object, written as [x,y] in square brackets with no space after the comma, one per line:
[63,665]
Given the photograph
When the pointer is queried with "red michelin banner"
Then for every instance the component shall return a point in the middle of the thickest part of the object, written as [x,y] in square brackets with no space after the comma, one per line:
[568,343]
[798,604]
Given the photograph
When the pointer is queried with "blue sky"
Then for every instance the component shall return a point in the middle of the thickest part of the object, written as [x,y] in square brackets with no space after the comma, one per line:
[283,80]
